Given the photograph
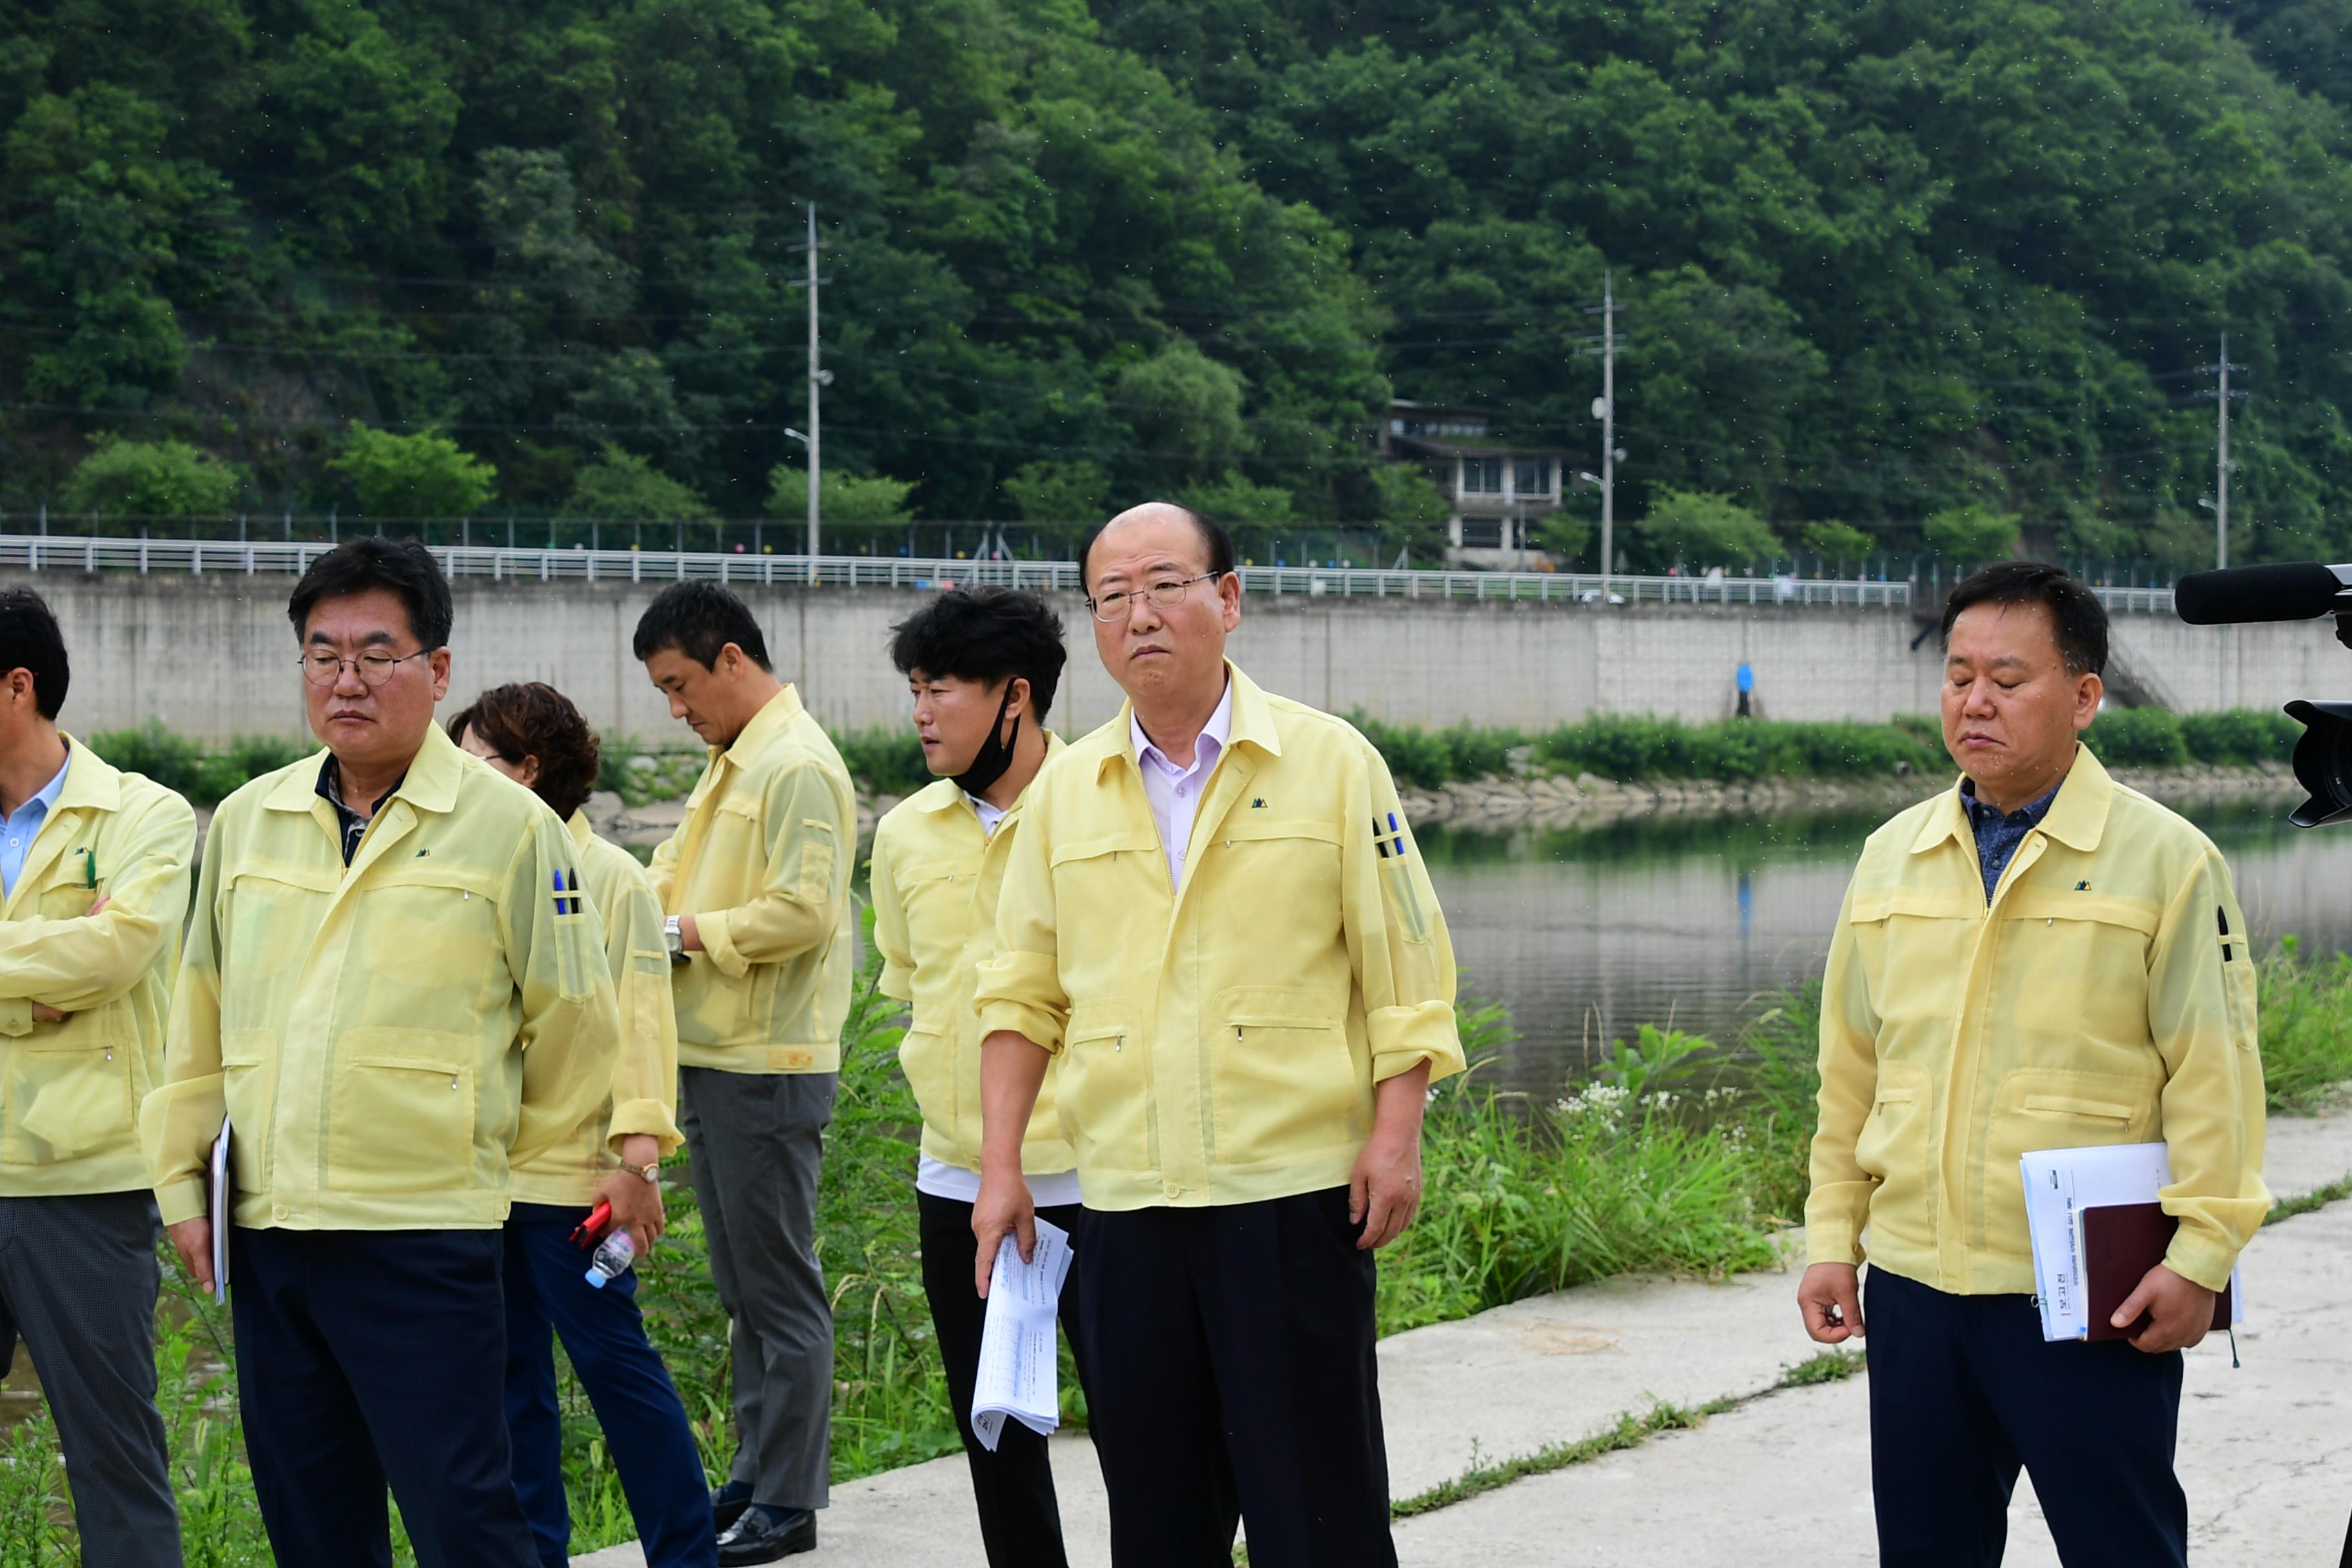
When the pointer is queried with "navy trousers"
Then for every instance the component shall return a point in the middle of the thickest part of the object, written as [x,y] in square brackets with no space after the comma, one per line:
[1964,1390]
[368,1358]
[1230,1377]
[646,1430]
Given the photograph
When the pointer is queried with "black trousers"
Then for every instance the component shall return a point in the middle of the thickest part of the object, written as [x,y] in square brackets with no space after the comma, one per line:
[1964,1389]
[1231,1376]
[1020,1519]
[368,1358]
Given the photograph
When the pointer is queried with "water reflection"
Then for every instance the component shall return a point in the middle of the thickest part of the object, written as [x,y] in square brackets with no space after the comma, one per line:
[1587,934]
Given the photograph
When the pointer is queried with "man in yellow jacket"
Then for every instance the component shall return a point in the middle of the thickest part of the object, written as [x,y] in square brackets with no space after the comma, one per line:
[393,992]
[983,665]
[93,888]
[2037,958]
[755,884]
[1215,927]
[532,734]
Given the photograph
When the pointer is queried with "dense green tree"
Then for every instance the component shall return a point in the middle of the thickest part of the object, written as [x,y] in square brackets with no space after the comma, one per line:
[152,479]
[621,484]
[1698,529]
[841,497]
[409,476]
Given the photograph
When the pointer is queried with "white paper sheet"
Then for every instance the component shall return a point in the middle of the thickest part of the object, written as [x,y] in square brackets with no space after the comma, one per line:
[220,1207]
[1019,1371]
[2062,1182]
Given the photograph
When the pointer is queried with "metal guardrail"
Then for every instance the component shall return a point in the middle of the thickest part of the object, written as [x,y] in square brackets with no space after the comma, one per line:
[56,552]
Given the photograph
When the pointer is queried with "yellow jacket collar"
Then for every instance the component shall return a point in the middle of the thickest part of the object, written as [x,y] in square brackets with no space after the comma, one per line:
[434,774]
[2077,818]
[941,793]
[1252,718]
[766,725]
[577,824]
[90,780]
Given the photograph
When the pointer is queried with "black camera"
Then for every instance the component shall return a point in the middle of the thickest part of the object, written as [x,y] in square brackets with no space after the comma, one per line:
[2289,591]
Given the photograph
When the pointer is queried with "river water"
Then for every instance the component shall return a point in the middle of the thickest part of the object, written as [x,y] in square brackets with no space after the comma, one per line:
[1585,935]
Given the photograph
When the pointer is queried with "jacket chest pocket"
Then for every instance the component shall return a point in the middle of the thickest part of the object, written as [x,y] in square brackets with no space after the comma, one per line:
[65,1103]
[2093,949]
[401,1112]
[1282,1079]
[433,932]
[1915,946]
[1292,865]
[270,918]
[937,896]
[1112,898]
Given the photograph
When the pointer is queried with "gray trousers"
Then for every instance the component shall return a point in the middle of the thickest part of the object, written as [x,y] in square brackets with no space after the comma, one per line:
[78,1282]
[755,1140]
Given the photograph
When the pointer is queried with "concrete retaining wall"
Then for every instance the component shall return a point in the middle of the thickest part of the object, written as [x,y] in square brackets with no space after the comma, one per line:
[214,655]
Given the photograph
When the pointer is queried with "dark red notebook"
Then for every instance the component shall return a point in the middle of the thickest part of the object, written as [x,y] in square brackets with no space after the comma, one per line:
[2121,1242]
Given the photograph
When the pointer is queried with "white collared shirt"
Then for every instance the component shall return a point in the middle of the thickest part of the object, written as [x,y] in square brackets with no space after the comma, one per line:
[990,816]
[1175,793]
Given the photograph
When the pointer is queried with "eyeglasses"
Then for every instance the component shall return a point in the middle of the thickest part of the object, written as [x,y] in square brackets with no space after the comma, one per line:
[1166,594]
[320,667]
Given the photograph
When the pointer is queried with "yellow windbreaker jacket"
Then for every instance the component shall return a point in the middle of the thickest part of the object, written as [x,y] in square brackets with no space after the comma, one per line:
[762,863]
[936,875]
[69,1092]
[2106,995]
[386,1039]
[644,1078]
[1219,1041]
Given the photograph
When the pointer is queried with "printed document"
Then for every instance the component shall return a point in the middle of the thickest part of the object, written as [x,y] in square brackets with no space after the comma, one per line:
[1019,1372]
[2059,1185]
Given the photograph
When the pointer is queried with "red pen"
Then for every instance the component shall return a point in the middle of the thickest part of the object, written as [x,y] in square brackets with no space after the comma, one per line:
[591,1230]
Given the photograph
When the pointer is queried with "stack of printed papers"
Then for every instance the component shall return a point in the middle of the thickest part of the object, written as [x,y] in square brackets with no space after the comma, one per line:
[1020,1374]
[2060,1183]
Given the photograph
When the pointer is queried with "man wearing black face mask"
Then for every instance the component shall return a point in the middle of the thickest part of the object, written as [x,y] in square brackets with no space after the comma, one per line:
[983,666]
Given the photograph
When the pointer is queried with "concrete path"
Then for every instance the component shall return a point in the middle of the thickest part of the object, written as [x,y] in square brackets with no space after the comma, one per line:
[2263,1449]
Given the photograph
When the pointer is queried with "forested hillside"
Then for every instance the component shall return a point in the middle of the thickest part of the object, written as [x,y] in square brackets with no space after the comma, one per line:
[1880,259]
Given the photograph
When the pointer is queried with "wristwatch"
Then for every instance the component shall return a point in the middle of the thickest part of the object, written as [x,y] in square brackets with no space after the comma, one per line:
[676,939]
[650,1171]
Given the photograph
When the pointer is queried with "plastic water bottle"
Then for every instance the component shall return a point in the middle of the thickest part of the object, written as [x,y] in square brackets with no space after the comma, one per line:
[613,1260]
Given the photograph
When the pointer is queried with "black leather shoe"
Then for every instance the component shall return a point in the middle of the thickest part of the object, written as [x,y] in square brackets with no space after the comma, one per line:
[765,1534]
[728,1503]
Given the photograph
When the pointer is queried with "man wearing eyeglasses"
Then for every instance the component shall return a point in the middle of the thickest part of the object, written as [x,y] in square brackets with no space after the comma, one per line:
[395,991]
[1215,919]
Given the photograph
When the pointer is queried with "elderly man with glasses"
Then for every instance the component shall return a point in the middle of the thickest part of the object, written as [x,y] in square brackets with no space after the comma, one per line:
[395,991]
[1214,920]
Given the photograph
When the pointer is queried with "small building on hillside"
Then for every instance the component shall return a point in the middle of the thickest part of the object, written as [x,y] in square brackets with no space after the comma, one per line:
[1500,493]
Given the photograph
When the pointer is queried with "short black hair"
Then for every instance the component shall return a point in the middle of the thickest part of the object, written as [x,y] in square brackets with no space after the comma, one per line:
[2081,619]
[986,635]
[531,718]
[698,620]
[356,565]
[1214,536]
[29,639]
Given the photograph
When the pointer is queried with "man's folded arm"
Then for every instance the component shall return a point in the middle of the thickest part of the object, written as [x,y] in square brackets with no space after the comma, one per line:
[82,961]
[804,890]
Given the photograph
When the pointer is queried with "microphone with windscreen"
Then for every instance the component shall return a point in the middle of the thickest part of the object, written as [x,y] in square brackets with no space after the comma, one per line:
[2289,591]
[2282,591]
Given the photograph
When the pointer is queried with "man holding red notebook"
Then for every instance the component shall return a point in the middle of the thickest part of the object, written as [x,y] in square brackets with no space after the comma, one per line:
[2038,958]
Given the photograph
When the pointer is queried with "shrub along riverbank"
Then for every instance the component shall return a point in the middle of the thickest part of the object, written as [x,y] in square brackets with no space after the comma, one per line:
[886,760]
[1680,1156]
[1635,748]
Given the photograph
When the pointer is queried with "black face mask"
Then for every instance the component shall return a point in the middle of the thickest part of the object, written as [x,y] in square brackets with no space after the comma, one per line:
[995,754]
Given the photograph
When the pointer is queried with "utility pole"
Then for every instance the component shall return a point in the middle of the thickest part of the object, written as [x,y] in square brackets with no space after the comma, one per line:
[2221,467]
[1604,408]
[815,380]
[2219,503]
[1608,429]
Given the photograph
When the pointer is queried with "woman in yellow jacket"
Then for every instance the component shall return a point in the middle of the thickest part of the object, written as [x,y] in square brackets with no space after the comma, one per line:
[534,735]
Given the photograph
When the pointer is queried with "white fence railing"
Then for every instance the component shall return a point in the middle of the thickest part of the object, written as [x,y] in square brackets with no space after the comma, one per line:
[58,552]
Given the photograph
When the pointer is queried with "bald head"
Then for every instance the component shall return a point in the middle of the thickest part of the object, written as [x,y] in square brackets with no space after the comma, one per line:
[1216,545]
